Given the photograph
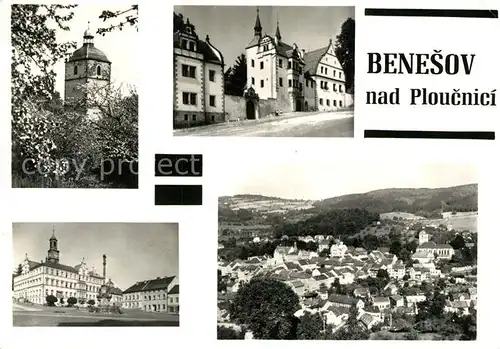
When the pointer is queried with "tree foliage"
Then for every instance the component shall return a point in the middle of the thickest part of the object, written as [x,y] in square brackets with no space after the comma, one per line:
[120,19]
[51,300]
[224,332]
[266,306]
[310,326]
[72,301]
[235,78]
[344,50]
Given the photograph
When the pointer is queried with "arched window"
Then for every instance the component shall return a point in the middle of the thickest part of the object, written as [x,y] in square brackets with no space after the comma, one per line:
[98,70]
[75,70]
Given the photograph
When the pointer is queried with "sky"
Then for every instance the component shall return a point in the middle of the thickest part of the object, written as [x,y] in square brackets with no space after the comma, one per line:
[135,251]
[119,46]
[230,28]
[316,181]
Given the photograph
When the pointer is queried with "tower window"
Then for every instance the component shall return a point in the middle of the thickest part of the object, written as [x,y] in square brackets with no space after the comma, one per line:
[253,81]
[211,75]
[280,63]
[261,65]
[281,82]
[253,63]
[212,101]
[261,83]
[75,70]
[98,70]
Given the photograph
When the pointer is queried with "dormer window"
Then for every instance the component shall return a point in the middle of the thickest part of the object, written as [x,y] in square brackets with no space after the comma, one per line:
[192,47]
[188,30]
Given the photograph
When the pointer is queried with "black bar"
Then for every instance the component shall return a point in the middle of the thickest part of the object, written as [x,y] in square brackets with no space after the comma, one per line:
[484,135]
[182,195]
[408,12]
[178,165]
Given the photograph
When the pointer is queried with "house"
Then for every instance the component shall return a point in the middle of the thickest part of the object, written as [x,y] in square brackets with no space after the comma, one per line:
[345,301]
[361,292]
[323,245]
[423,256]
[393,289]
[368,320]
[335,316]
[396,271]
[338,249]
[397,301]
[381,302]
[297,286]
[415,299]
[457,307]
[198,78]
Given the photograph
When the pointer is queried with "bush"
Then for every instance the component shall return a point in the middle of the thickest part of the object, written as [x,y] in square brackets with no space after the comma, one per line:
[51,300]
[91,302]
[72,301]
[229,333]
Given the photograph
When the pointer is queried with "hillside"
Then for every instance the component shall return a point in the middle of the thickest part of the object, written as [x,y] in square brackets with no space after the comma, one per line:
[421,201]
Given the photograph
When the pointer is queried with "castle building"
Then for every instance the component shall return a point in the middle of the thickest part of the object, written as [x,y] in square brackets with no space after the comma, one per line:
[37,280]
[297,80]
[198,73]
[87,77]
[153,295]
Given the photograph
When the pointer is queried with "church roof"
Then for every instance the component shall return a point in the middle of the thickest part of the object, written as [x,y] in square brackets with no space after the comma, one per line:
[432,244]
[312,59]
[150,285]
[89,51]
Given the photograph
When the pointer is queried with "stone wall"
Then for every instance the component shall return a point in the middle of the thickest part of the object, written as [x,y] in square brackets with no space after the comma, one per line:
[235,108]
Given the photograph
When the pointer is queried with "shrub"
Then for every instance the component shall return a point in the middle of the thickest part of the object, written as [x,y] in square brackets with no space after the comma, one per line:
[51,300]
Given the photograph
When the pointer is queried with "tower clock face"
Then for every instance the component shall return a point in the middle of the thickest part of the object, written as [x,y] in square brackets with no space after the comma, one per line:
[53,254]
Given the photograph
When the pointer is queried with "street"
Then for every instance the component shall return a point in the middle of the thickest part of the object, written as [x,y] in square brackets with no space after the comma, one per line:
[50,316]
[331,124]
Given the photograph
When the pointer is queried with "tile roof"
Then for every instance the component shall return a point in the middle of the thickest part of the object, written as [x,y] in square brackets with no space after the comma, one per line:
[35,265]
[380,299]
[151,285]
[338,298]
[312,59]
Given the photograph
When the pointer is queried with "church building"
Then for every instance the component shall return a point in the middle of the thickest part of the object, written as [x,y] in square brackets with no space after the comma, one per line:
[37,280]
[428,250]
[198,73]
[295,79]
[87,77]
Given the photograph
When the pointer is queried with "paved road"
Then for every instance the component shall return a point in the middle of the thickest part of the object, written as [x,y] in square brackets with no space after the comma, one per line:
[43,317]
[333,124]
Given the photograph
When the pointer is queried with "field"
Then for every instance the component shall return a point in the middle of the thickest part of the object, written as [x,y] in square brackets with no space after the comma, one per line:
[402,215]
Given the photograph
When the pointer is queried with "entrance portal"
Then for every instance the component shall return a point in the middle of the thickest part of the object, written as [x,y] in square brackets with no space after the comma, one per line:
[298,105]
[251,110]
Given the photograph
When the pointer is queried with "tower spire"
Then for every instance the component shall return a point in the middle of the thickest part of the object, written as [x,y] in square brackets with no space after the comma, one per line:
[258,27]
[278,33]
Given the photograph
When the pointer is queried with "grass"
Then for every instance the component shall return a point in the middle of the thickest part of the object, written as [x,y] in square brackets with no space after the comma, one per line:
[87,182]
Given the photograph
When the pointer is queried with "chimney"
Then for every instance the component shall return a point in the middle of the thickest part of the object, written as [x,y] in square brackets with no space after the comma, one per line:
[104,267]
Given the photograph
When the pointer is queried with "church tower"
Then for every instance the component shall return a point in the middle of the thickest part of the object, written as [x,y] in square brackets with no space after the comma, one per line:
[423,237]
[87,75]
[53,252]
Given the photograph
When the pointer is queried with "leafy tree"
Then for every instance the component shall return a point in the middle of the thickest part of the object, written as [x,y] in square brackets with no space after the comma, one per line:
[411,335]
[91,302]
[266,306]
[61,300]
[310,326]
[458,242]
[72,301]
[221,284]
[224,332]
[235,78]
[121,18]
[396,247]
[51,300]
[35,51]
[19,270]
[344,50]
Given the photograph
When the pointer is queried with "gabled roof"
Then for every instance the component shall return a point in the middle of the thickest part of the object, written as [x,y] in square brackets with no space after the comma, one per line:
[151,285]
[312,59]
[174,290]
